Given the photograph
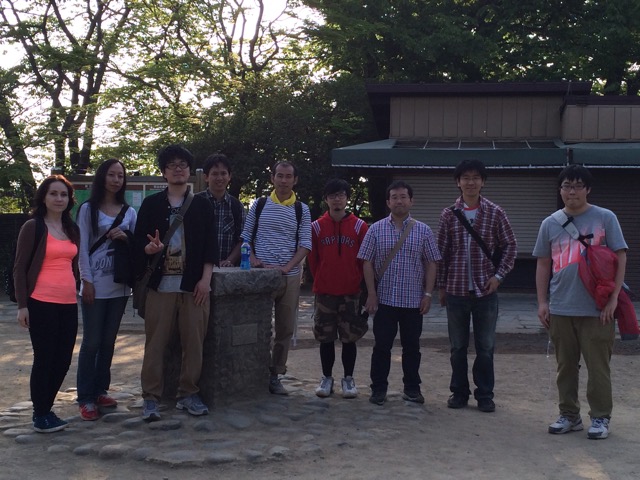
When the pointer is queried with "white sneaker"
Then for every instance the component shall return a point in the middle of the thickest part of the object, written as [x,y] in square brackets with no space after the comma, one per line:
[565,425]
[325,388]
[192,404]
[599,429]
[349,389]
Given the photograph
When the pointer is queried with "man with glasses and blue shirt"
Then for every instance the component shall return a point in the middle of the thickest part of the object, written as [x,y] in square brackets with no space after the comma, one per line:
[567,309]
[400,255]
[179,287]
[468,280]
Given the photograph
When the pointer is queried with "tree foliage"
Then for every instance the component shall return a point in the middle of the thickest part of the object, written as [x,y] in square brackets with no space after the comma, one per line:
[125,77]
[67,48]
[17,185]
[294,119]
[481,40]
[398,41]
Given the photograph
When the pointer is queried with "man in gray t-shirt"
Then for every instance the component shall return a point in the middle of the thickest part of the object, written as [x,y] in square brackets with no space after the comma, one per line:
[575,325]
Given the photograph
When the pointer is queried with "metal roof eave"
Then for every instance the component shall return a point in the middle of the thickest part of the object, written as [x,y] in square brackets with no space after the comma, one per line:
[381,154]
[561,88]
[606,155]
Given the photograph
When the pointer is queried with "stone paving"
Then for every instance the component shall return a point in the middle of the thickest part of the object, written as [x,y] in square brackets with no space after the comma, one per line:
[273,428]
[257,430]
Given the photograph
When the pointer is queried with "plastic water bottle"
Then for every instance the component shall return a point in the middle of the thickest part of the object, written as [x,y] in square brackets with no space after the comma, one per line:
[245,255]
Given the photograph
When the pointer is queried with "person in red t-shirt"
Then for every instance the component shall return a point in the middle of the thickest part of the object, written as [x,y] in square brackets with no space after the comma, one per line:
[337,274]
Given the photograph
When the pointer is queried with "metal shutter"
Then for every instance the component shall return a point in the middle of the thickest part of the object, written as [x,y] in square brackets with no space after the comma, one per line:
[616,190]
[528,197]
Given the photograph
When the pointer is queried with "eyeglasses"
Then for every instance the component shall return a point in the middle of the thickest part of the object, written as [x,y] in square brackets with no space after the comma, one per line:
[180,165]
[475,178]
[577,187]
[336,196]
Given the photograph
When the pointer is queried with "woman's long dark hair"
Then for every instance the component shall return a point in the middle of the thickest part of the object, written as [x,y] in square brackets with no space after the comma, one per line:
[40,207]
[99,191]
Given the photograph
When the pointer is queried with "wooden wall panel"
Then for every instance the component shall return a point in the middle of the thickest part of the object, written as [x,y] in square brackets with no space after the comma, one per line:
[606,121]
[622,123]
[494,117]
[509,118]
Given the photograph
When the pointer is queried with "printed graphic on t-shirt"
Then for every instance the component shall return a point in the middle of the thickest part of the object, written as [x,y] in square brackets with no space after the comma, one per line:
[102,265]
[176,253]
[566,251]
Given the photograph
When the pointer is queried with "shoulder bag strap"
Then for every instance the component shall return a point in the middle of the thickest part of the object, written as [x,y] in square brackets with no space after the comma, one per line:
[396,248]
[475,235]
[117,221]
[567,223]
[167,236]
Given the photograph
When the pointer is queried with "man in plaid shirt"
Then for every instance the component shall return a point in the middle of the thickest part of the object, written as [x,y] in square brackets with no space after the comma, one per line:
[468,281]
[229,211]
[403,294]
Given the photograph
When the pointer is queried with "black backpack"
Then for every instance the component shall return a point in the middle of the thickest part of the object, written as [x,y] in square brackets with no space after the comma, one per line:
[9,285]
[236,212]
[261,203]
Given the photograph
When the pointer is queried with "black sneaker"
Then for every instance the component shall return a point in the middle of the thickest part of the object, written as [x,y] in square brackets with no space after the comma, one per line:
[457,401]
[48,423]
[486,405]
[378,398]
[415,397]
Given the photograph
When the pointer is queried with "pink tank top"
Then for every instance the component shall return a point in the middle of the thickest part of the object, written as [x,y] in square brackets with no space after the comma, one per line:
[56,283]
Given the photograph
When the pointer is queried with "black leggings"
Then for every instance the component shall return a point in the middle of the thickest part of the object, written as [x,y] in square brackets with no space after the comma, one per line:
[328,358]
[53,328]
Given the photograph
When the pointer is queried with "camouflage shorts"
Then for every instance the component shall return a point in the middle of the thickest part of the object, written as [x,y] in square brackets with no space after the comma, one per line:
[338,316]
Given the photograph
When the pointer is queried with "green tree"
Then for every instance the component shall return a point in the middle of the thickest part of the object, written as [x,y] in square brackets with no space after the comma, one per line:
[188,58]
[398,40]
[482,40]
[67,48]
[17,184]
[294,118]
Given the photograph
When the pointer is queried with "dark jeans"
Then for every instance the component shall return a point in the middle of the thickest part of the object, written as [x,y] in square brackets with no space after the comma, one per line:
[385,327]
[484,312]
[53,328]
[100,325]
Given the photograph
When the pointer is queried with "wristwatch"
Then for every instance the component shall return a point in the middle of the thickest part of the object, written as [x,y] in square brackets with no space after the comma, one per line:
[499,277]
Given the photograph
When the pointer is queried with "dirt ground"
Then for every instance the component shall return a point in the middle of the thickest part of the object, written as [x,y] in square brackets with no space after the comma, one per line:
[511,443]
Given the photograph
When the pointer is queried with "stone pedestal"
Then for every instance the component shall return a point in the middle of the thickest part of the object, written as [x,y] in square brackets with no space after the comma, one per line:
[238,341]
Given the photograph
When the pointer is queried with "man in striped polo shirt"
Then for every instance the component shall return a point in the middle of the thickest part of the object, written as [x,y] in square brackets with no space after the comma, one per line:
[281,240]
[403,293]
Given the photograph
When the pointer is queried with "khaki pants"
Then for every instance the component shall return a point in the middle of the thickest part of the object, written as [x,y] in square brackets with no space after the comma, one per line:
[286,311]
[572,336]
[166,313]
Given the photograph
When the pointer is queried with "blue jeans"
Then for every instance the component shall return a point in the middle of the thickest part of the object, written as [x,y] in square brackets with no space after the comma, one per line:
[484,312]
[100,325]
[385,327]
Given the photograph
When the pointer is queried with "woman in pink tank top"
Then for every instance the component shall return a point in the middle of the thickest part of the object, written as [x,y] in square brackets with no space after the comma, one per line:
[44,274]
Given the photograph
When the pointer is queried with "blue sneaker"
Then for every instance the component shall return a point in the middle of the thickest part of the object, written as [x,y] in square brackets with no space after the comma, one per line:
[150,411]
[49,423]
[193,405]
